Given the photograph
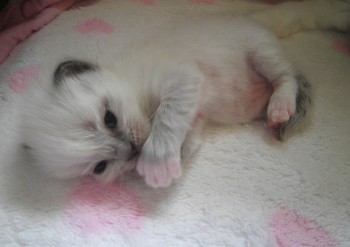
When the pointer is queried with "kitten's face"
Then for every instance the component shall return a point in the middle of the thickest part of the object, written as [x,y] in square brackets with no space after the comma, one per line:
[90,123]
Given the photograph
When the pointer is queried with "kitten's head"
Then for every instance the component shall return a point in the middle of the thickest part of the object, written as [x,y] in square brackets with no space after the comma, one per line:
[86,122]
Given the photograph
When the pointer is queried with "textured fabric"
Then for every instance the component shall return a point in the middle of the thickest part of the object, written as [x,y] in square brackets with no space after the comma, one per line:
[20,19]
[243,188]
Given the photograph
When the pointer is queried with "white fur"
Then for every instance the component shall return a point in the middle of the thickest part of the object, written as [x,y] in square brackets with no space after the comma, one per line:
[161,89]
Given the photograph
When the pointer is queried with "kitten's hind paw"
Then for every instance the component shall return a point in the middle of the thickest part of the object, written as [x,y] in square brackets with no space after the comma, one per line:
[280,110]
[159,173]
[302,105]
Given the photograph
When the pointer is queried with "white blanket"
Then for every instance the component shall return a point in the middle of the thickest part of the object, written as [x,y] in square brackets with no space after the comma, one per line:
[243,188]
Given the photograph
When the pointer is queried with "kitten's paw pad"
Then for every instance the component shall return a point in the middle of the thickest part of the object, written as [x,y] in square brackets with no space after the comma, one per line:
[159,174]
[280,109]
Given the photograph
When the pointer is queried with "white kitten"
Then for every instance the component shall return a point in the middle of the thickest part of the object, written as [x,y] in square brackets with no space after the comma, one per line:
[147,109]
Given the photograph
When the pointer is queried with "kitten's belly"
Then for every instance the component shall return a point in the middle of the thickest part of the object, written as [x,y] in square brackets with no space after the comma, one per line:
[237,101]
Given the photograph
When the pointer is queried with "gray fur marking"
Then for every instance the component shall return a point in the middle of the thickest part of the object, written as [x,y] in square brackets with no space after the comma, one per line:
[71,68]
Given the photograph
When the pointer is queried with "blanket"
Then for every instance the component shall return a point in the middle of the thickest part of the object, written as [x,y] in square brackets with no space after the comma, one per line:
[21,18]
[243,188]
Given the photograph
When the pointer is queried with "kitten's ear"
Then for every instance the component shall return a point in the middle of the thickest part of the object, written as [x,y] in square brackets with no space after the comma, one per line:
[72,68]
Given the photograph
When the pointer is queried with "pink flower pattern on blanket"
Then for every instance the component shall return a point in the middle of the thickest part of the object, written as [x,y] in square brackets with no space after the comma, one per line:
[19,79]
[291,230]
[94,207]
[95,25]
[342,46]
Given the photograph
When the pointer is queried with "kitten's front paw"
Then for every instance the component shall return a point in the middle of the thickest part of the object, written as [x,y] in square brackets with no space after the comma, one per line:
[279,110]
[159,173]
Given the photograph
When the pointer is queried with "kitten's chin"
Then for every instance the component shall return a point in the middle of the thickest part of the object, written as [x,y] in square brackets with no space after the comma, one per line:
[114,171]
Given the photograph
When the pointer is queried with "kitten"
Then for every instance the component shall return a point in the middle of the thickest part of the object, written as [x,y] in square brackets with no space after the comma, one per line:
[146,111]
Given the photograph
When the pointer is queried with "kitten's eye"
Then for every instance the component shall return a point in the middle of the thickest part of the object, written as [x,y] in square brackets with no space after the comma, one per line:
[100,167]
[110,120]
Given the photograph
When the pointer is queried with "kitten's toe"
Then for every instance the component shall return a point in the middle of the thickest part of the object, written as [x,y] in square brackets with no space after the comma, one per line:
[159,174]
[279,110]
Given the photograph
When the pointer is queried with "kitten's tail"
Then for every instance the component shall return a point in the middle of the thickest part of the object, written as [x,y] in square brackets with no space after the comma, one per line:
[288,17]
[303,107]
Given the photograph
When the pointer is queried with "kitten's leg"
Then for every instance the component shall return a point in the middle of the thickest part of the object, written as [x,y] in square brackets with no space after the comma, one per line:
[193,139]
[160,159]
[303,105]
[289,17]
[291,95]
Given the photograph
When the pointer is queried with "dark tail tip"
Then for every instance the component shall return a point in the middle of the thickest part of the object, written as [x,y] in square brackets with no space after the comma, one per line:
[303,105]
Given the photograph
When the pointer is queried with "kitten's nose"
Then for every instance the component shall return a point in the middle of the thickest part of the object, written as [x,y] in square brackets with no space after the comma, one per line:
[134,151]
[133,146]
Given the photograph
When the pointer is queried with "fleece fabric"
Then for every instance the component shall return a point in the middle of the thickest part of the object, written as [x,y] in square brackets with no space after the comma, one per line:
[243,188]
